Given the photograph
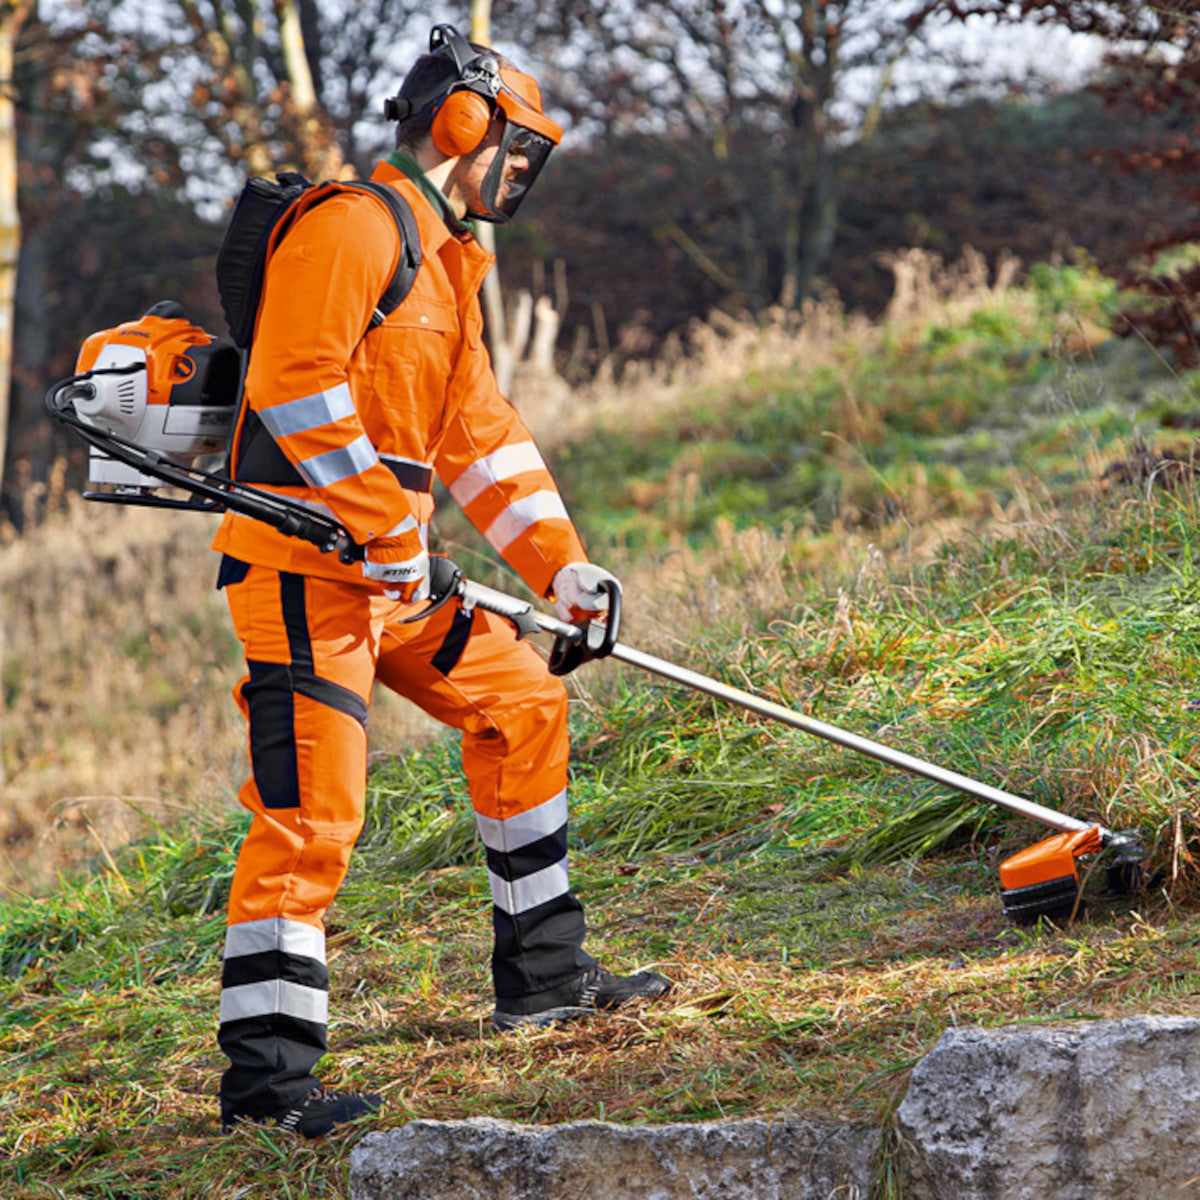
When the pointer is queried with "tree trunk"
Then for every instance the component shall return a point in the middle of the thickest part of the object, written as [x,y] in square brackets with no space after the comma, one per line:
[492,294]
[811,220]
[11,17]
[323,157]
[818,223]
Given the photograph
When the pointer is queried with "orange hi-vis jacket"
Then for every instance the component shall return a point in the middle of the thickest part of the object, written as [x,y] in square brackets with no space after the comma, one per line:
[357,415]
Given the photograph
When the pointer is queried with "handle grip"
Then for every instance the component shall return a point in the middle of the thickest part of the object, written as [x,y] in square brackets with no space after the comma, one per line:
[595,638]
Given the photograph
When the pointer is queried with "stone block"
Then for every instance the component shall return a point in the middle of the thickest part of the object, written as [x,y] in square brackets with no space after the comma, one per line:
[484,1159]
[1105,1110]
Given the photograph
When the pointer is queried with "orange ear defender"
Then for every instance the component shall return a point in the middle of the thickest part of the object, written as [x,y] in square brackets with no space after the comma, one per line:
[463,106]
[461,123]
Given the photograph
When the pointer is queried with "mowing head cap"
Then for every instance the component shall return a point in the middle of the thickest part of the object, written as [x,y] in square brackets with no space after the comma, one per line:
[1043,880]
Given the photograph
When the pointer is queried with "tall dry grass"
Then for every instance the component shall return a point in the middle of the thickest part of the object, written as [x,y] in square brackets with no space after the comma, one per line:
[117,660]
[724,349]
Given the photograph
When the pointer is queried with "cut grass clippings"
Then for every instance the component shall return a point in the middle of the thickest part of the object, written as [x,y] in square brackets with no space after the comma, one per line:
[790,997]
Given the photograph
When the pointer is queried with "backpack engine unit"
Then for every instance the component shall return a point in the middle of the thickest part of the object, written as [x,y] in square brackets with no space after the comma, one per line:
[159,382]
[154,397]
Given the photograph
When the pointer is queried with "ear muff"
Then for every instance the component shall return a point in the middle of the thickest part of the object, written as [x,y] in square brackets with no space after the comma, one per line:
[460,123]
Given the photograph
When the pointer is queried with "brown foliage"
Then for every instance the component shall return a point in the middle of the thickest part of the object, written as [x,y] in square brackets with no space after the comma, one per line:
[1162,79]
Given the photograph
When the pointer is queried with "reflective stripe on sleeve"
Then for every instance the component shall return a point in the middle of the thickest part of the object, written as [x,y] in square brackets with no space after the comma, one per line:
[324,470]
[409,523]
[499,465]
[521,514]
[274,996]
[309,412]
[275,933]
[520,895]
[512,833]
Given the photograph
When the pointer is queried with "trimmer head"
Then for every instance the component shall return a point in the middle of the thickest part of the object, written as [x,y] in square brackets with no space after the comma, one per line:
[1043,881]
[1126,874]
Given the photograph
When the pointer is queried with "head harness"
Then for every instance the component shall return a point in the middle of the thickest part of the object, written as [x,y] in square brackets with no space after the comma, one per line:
[476,91]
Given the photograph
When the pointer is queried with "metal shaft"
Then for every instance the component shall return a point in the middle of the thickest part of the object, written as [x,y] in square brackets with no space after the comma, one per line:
[512,608]
[852,741]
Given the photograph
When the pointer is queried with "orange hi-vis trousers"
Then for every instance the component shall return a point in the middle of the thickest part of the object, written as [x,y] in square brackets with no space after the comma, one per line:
[314,648]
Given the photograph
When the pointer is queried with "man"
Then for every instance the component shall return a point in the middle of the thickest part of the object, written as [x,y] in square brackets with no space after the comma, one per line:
[358,421]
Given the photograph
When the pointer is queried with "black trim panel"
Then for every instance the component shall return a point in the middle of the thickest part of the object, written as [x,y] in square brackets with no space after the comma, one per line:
[538,949]
[271,965]
[454,643]
[536,856]
[269,700]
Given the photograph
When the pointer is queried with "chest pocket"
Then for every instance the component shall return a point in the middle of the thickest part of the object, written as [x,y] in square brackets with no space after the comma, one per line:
[415,352]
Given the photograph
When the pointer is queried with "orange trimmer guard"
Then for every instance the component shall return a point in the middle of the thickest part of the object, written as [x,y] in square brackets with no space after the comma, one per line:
[1050,859]
[1043,881]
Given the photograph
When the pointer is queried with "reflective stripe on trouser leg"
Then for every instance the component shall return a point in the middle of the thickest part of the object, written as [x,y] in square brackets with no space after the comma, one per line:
[472,673]
[536,919]
[274,1010]
[310,651]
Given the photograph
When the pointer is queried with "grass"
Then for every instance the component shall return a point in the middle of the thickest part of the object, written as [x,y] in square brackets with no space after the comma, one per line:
[792,995]
[1019,613]
[944,419]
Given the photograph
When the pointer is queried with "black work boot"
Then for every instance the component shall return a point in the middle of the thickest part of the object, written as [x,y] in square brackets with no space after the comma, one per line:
[312,1116]
[598,991]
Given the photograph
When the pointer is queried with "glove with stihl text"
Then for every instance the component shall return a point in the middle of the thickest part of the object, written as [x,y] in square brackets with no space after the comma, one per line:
[401,564]
[579,593]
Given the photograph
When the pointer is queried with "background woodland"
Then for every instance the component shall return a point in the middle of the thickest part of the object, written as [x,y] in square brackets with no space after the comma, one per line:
[742,159]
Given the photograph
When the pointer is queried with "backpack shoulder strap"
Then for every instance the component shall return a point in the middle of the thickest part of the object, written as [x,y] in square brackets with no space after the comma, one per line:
[410,248]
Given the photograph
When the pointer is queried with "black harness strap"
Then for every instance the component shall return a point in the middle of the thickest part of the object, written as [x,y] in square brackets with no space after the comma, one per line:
[260,460]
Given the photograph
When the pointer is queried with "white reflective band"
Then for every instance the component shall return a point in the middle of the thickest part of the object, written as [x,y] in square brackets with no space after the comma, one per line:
[525,828]
[500,464]
[309,412]
[520,895]
[409,522]
[275,933]
[274,996]
[324,470]
[521,514]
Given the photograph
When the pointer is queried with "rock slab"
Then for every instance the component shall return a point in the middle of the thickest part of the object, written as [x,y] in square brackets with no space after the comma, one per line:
[1108,1110]
[485,1159]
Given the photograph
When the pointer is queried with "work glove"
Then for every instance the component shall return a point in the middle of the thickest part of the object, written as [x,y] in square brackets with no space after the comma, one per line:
[401,564]
[578,591]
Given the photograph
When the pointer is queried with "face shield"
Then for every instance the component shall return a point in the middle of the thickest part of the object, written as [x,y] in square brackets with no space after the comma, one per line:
[526,141]
[518,162]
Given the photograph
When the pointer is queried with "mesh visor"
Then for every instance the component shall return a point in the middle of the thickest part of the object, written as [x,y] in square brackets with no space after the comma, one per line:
[518,162]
